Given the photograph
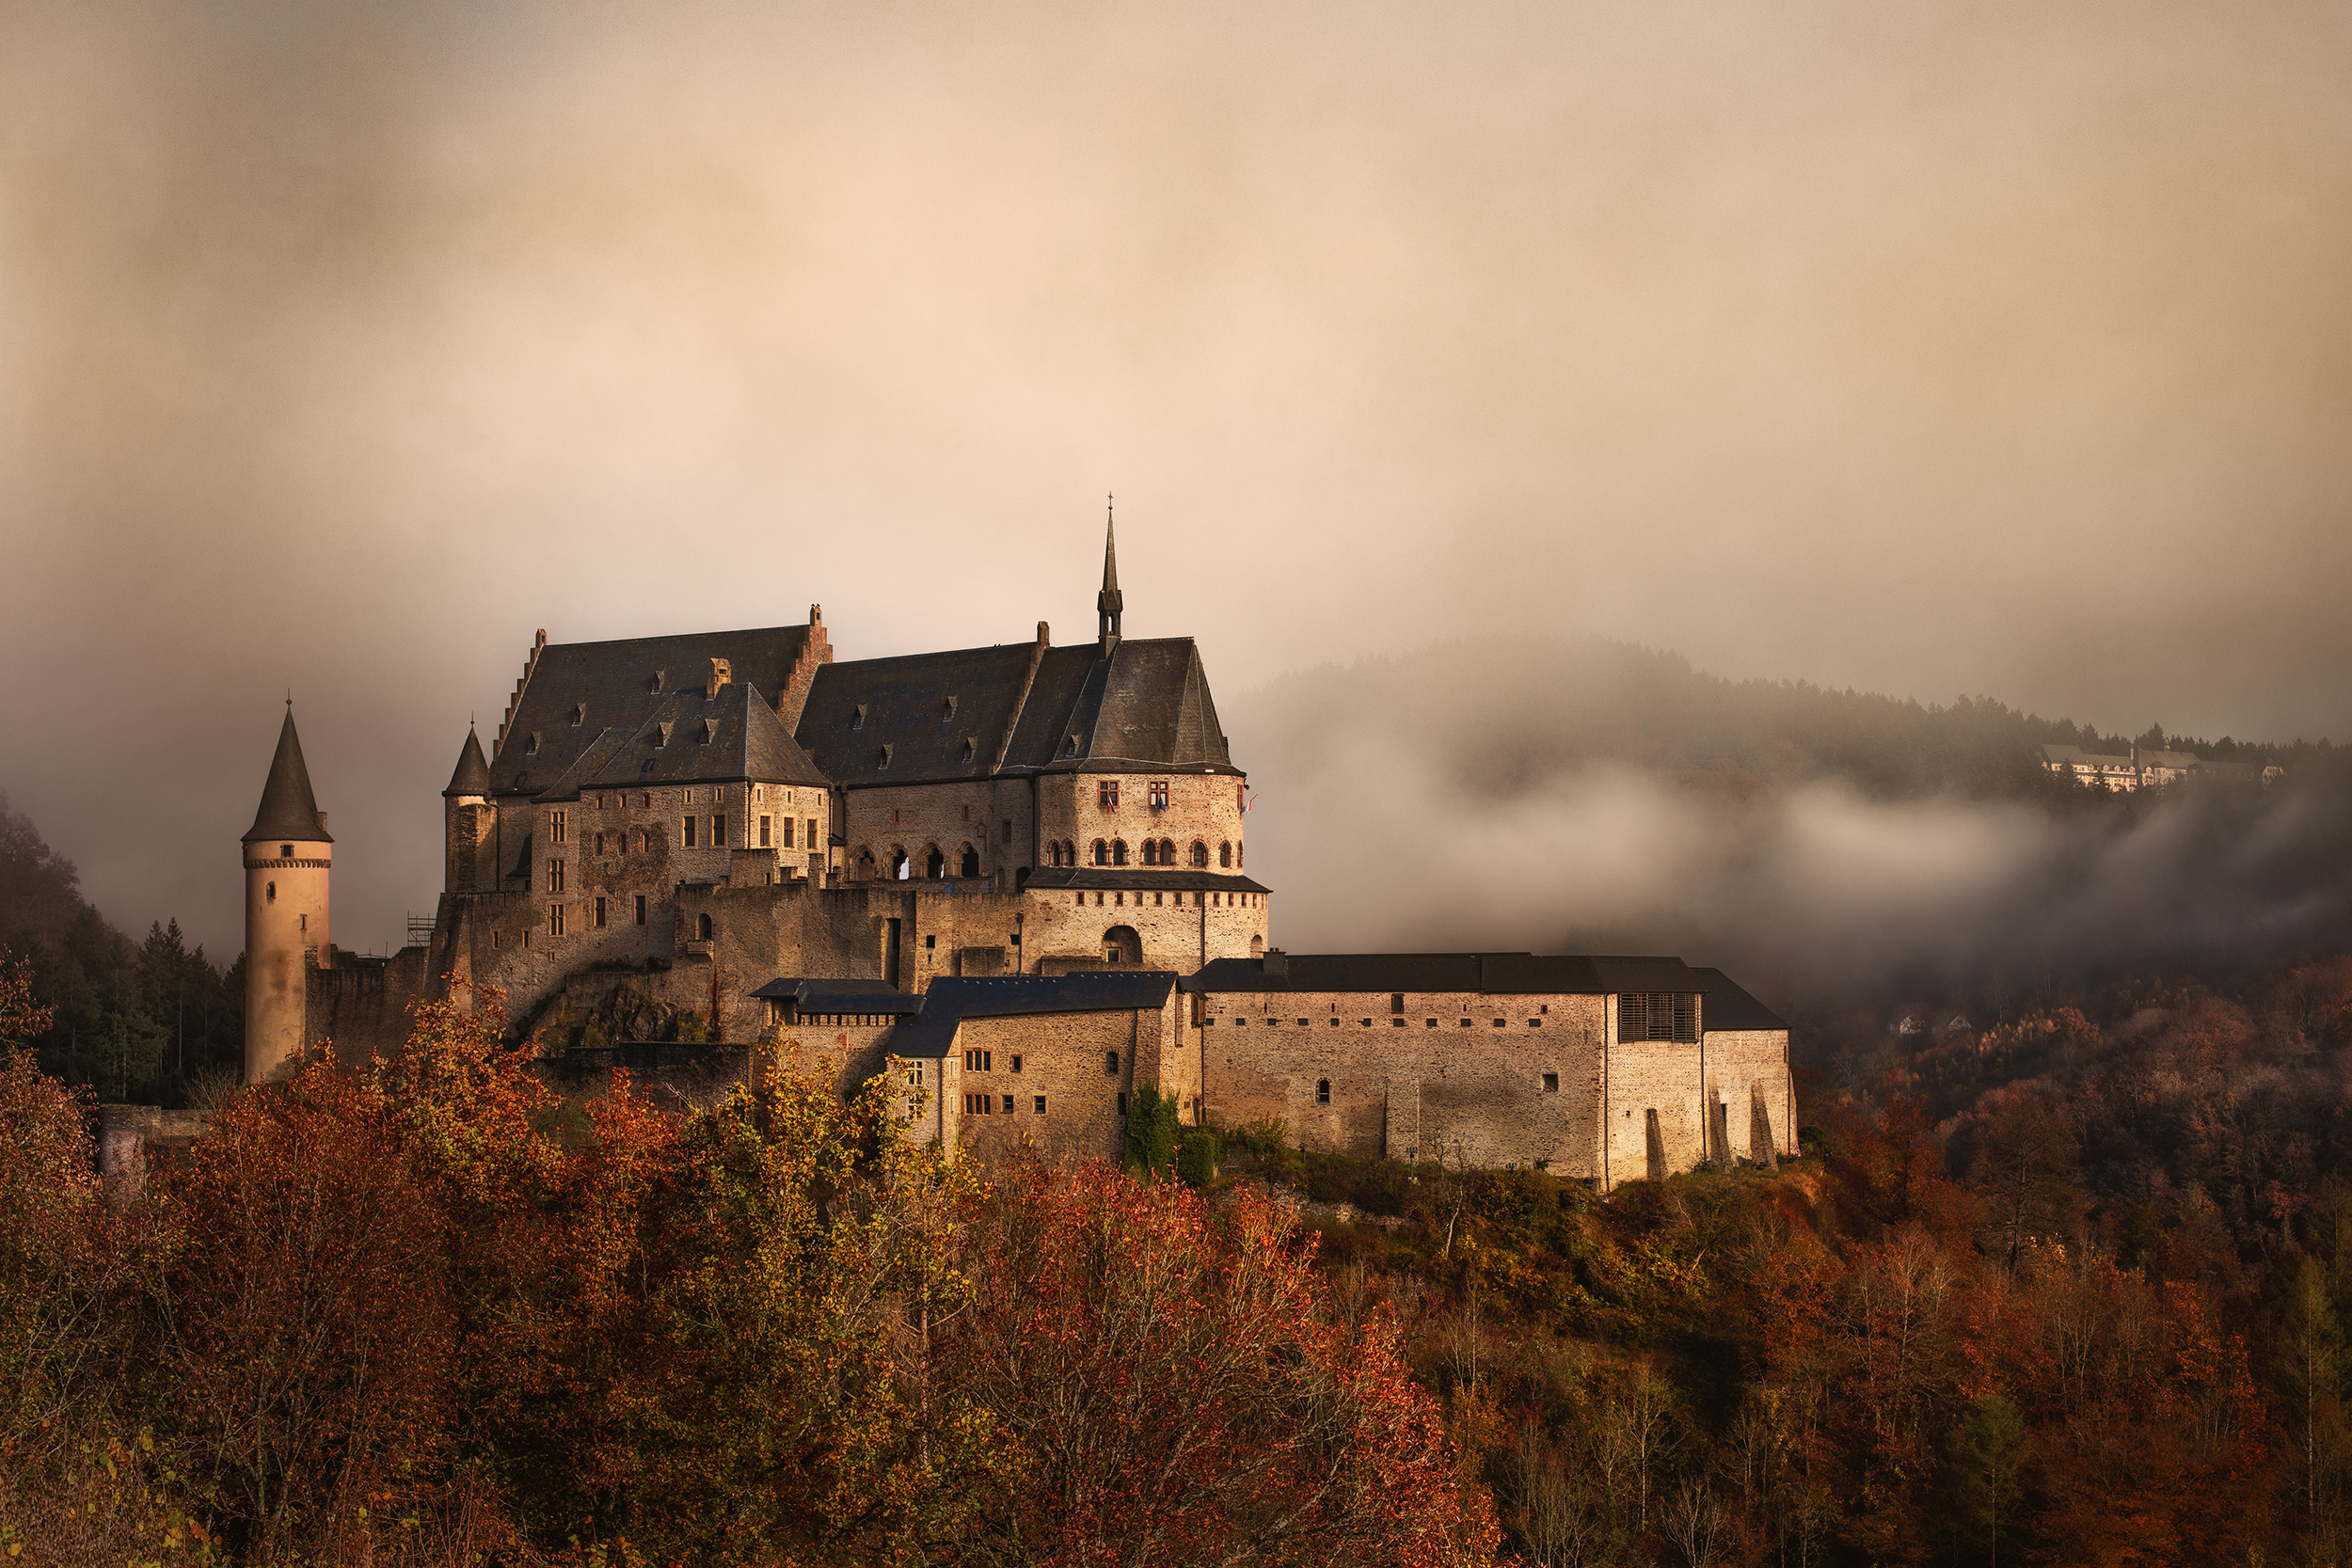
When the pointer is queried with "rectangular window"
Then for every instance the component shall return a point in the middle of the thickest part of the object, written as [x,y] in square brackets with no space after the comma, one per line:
[691,825]
[555,876]
[1658,1016]
[1396,1002]
[1008,1104]
[811,839]
[1159,794]
[1107,794]
[1040,1104]
[555,920]
[1008,830]
[689,798]
[1122,1105]
[764,831]
[599,914]
[555,827]
[640,909]
[1552,1082]
[717,832]
[967,813]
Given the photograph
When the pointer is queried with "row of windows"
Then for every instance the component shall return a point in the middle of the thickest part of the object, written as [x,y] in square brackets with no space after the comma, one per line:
[601,913]
[1156,794]
[1199,900]
[1322,1088]
[1155,851]
[902,867]
[985,1105]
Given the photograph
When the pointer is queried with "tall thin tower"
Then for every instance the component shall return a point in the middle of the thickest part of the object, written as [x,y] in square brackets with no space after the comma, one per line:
[288,855]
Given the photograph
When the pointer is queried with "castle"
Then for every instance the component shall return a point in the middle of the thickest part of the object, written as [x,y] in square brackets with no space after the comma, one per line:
[1014,874]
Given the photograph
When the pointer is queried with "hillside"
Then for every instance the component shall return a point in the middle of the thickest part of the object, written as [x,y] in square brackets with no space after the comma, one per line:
[1846,853]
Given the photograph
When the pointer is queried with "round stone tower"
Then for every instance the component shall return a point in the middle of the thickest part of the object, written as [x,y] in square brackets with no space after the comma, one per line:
[287,858]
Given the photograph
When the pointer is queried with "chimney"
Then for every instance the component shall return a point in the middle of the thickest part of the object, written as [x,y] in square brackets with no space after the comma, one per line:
[720,675]
[1276,965]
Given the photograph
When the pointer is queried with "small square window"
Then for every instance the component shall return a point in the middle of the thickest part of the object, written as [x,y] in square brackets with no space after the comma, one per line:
[1110,1067]
[930,939]
[1433,1023]
[1016,1064]
[1008,1104]
[1552,1082]
[1040,1104]
[1500,1022]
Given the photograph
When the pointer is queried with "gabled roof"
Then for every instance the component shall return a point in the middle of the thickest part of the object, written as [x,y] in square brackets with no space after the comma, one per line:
[1491,973]
[950,1001]
[576,690]
[287,809]
[692,736]
[1729,1006]
[474,774]
[946,715]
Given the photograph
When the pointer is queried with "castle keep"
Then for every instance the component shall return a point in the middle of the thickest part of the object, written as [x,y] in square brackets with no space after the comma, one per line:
[1014,875]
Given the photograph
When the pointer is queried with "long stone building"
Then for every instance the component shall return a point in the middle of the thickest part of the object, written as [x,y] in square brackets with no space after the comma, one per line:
[1016,876]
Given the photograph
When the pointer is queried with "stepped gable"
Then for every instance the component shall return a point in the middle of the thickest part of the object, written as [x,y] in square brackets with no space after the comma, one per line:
[693,737]
[949,1000]
[473,776]
[1147,707]
[287,809]
[1490,974]
[1729,1006]
[616,683]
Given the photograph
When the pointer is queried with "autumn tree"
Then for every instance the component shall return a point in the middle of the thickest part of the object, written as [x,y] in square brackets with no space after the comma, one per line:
[1179,1394]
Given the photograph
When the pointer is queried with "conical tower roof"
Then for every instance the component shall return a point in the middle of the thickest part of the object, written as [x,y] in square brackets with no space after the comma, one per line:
[474,774]
[288,810]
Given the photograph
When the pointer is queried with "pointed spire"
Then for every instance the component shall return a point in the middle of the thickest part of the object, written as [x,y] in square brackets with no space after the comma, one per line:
[474,774]
[288,810]
[1108,603]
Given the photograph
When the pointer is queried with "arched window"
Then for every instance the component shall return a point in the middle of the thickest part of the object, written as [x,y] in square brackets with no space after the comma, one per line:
[1200,855]
[1167,851]
[1238,861]
[901,868]
[1122,946]
[934,863]
[1224,854]
[1102,853]
[971,863]
[701,928]
[1069,851]
[1118,851]
[864,864]
[269,894]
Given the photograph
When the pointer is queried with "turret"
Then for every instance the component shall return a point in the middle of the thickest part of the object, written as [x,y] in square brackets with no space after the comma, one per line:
[1108,603]
[469,823]
[287,857]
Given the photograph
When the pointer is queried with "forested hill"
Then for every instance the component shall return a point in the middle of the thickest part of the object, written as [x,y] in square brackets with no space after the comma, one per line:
[137,1021]
[1503,713]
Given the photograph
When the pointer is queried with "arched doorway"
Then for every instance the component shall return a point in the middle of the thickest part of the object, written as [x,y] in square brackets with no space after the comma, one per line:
[968,865]
[1122,947]
[934,863]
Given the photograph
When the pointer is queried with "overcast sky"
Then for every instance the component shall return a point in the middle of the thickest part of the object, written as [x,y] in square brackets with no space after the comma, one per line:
[1931,348]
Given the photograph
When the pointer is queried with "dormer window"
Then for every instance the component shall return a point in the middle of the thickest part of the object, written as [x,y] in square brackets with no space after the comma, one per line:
[946,711]
[661,677]
[1069,748]
[857,716]
[882,758]
[580,714]
[661,735]
[532,750]
[710,731]
[971,749]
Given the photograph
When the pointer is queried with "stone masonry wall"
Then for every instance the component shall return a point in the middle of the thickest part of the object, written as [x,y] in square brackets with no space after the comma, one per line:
[1064,1058]
[1174,931]
[1746,1069]
[1205,807]
[994,818]
[1450,1082]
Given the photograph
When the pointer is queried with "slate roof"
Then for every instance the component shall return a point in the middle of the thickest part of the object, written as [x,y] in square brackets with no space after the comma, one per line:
[474,774]
[954,715]
[615,682]
[948,1002]
[691,737]
[1107,878]
[1494,973]
[1729,1006]
[288,810]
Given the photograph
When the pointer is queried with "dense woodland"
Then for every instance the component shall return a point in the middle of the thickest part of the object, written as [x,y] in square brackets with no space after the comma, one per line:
[2070,1282]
